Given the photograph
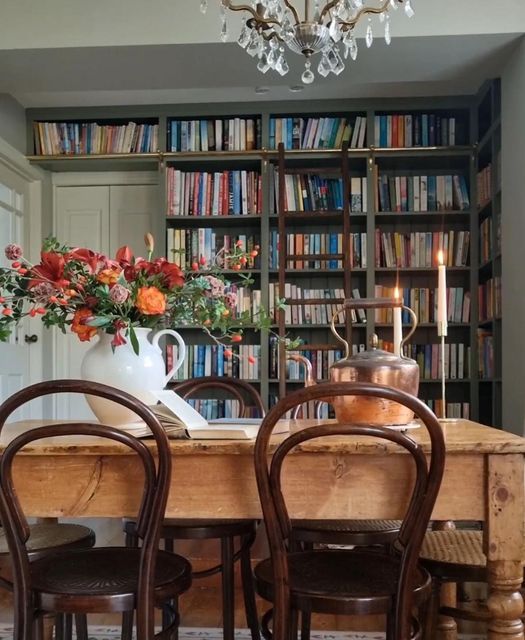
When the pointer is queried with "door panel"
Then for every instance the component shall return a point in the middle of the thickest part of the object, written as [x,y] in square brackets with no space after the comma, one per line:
[82,218]
[134,212]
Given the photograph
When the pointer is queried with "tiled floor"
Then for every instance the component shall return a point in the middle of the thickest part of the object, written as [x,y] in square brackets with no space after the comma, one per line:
[193,633]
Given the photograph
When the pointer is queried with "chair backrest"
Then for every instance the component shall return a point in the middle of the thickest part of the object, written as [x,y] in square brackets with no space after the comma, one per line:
[234,388]
[154,496]
[426,486]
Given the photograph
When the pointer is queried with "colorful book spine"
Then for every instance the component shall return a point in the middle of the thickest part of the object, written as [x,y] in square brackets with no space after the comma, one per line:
[401,193]
[399,130]
[317,133]
[218,134]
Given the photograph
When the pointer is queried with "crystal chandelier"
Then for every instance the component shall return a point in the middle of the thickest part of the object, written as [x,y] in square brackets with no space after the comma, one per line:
[325,27]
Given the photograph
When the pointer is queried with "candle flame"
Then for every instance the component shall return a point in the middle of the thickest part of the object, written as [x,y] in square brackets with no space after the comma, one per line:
[440,257]
[396,294]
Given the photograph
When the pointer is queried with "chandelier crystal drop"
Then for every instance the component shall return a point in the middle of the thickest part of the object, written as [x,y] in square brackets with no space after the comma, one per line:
[324,27]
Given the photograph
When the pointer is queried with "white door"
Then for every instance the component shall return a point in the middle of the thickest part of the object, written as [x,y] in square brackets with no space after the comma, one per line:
[82,220]
[102,218]
[15,354]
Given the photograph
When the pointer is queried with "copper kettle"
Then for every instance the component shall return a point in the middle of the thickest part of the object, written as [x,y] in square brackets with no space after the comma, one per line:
[373,365]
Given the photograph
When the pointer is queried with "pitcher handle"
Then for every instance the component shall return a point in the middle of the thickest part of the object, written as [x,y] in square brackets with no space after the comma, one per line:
[181,352]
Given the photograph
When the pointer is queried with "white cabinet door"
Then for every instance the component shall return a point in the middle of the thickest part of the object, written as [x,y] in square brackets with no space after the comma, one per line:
[134,211]
[102,218]
[82,220]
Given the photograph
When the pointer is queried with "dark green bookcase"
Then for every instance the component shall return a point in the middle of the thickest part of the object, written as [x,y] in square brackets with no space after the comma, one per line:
[480,121]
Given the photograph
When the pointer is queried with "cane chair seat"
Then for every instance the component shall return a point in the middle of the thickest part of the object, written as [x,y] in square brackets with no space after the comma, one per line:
[347,532]
[195,529]
[49,538]
[455,555]
[107,571]
[335,581]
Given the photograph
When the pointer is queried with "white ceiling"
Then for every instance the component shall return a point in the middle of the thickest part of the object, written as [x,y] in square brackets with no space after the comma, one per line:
[78,52]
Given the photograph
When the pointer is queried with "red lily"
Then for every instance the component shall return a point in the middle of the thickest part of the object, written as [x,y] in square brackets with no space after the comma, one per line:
[124,255]
[173,276]
[50,269]
[90,258]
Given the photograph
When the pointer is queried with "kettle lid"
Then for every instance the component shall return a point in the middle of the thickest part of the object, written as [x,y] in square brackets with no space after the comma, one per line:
[375,356]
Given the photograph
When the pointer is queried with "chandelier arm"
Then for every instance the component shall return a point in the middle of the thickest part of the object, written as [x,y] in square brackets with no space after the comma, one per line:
[228,4]
[290,6]
[350,24]
[259,20]
[270,36]
[329,6]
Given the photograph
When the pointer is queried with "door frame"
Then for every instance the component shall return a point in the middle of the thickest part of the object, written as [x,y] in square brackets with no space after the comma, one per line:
[12,160]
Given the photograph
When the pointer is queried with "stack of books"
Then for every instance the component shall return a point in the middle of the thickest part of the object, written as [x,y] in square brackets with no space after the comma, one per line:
[313,192]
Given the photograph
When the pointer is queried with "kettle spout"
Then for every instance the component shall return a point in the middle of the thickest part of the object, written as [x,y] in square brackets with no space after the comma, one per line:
[309,380]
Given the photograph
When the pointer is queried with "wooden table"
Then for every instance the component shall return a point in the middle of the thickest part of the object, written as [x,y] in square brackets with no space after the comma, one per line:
[353,477]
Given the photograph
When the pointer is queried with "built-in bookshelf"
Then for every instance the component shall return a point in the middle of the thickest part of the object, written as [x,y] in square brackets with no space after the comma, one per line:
[488,219]
[345,199]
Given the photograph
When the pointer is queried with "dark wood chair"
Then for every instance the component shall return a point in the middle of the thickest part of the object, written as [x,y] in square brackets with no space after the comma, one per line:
[45,539]
[363,533]
[358,581]
[226,531]
[97,580]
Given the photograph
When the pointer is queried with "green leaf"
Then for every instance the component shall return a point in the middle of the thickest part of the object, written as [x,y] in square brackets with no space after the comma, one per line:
[98,321]
[134,340]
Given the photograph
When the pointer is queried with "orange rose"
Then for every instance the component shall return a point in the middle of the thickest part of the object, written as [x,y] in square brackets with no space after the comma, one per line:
[150,301]
[109,276]
[78,326]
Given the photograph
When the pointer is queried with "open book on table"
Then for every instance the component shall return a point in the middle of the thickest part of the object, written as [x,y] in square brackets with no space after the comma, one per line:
[180,420]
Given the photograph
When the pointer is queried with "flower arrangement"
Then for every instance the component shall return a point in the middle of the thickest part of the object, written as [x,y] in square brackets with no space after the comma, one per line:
[88,291]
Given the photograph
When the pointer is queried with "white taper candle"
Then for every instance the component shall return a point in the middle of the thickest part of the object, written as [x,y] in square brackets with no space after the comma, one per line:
[442,322]
[398,328]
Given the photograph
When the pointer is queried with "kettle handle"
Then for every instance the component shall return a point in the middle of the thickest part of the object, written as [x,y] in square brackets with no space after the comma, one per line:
[372,303]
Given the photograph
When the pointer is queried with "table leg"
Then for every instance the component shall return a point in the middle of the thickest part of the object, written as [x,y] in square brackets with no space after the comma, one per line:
[504,542]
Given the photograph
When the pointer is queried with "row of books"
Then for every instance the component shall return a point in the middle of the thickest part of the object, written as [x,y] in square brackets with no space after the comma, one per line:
[423,302]
[310,192]
[414,130]
[317,133]
[217,134]
[315,313]
[209,360]
[485,354]
[489,299]
[428,358]
[186,246]
[221,193]
[484,183]
[69,138]
[423,193]
[454,409]
[485,240]
[320,359]
[215,408]
[324,411]
[420,248]
[313,244]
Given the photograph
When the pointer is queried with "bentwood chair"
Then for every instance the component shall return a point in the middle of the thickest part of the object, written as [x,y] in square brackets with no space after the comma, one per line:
[359,581]
[347,532]
[98,580]
[226,531]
